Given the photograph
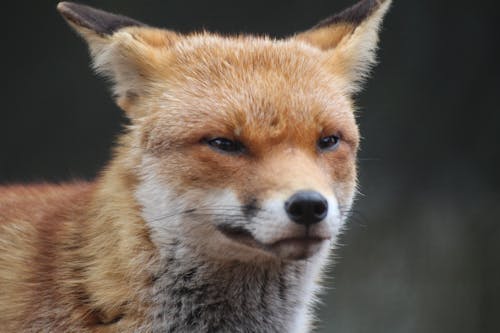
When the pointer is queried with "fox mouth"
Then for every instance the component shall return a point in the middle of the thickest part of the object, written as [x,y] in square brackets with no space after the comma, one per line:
[294,248]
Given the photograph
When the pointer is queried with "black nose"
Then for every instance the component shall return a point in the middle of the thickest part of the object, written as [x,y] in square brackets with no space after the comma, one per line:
[306,207]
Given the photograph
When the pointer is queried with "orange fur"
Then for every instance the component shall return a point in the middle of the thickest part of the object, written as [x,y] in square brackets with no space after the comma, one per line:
[79,257]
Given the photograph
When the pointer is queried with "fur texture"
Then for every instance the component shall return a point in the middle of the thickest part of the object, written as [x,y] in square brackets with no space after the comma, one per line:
[178,234]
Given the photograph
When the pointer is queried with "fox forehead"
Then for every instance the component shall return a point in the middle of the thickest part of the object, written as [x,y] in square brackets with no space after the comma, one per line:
[234,85]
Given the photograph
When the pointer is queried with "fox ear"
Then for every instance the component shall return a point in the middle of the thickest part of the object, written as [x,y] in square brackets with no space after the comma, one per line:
[122,49]
[350,37]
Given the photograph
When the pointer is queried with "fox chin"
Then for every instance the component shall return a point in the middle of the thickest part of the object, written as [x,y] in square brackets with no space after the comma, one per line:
[224,196]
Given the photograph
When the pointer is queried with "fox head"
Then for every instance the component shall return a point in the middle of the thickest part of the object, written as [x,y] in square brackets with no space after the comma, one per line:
[243,147]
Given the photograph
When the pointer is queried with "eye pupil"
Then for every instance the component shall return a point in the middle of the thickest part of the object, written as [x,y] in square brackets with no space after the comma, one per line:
[328,142]
[225,145]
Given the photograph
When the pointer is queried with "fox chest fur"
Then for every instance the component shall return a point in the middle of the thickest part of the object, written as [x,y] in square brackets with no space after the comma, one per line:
[224,197]
[196,297]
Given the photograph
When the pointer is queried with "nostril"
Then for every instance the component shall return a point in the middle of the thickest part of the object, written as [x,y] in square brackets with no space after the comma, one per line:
[320,209]
[306,207]
[295,210]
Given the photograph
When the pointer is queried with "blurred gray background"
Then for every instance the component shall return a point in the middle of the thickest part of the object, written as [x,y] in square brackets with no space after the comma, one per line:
[422,250]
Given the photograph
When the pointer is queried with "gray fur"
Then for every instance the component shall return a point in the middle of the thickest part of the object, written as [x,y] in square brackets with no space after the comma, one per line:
[196,296]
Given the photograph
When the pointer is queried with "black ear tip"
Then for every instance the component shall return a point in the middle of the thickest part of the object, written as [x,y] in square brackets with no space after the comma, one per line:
[77,13]
[61,5]
[64,8]
[94,19]
[354,14]
[71,9]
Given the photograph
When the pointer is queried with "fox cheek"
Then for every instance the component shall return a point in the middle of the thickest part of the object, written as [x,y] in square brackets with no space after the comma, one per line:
[250,208]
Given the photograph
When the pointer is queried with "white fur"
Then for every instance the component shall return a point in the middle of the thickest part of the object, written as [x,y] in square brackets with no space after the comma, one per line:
[162,211]
[273,224]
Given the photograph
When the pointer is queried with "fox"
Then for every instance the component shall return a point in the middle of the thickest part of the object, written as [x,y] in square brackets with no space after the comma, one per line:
[224,196]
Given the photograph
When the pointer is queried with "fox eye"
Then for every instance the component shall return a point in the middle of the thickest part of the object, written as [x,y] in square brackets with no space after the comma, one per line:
[328,142]
[225,145]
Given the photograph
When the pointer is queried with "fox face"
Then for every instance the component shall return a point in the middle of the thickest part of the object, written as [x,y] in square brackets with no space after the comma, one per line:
[256,145]
[243,147]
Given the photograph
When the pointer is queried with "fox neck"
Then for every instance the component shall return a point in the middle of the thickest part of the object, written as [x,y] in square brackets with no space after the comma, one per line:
[123,255]
[194,295]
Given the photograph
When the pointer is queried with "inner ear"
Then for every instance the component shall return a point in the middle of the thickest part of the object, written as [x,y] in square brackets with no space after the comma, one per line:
[350,39]
[328,33]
